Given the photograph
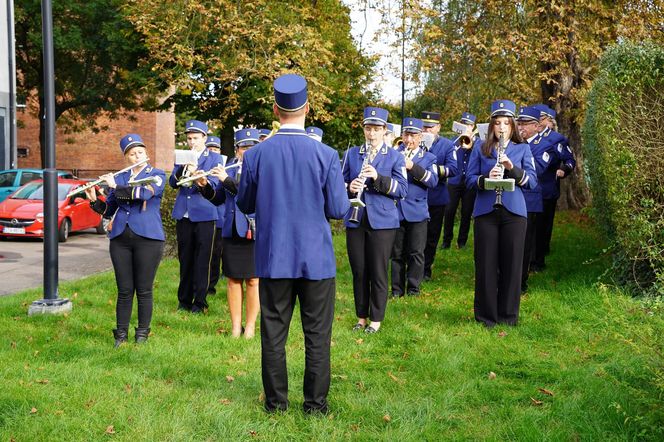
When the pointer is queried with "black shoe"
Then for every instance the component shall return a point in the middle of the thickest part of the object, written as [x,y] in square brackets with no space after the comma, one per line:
[537,267]
[183,307]
[413,293]
[445,245]
[142,335]
[358,327]
[275,409]
[396,295]
[370,330]
[316,411]
[120,336]
[196,310]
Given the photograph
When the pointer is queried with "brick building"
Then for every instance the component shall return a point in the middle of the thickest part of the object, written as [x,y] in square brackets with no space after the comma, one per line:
[90,154]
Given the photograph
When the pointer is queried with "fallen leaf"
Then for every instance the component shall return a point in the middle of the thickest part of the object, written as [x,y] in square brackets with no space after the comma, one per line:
[502,334]
[59,412]
[492,375]
[225,401]
[535,401]
[332,343]
[13,344]
[230,378]
[359,341]
[355,428]
[426,316]
[110,302]
[387,418]
[261,397]
[42,381]
[235,358]
[110,430]
[360,386]
[339,376]
[545,391]
[221,331]
[394,378]
[33,410]
[405,355]
[253,433]
[36,353]
[75,295]
[128,388]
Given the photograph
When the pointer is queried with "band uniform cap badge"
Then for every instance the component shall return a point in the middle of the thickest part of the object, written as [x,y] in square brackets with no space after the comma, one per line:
[373,113]
[501,104]
[248,133]
[428,117]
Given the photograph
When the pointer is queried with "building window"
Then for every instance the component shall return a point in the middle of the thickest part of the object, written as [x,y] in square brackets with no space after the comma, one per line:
[22,152]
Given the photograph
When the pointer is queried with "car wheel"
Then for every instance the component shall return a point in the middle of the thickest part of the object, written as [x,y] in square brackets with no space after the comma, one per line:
[101,227]
[63,231]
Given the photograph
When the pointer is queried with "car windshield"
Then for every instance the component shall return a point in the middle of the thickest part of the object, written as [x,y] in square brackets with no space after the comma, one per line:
[35,191]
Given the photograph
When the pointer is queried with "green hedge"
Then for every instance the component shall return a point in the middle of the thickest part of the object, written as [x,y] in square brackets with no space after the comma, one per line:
[622,135]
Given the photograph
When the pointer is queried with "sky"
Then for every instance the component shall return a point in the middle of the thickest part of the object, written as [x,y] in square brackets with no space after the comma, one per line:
[365,22]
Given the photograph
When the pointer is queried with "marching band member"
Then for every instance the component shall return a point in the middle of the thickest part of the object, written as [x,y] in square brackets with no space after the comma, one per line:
[446,161]
[238,238]
[411,237]
[195,225]
[263,134]
[315,133]
[294,184]
[457,189]
[137,236]
[389,135]
[213,144]
[500,226]
[550,182]
[529,126]
[376,174]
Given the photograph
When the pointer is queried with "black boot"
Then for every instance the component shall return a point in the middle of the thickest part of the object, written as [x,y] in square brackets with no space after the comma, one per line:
[142,335]
[120,336]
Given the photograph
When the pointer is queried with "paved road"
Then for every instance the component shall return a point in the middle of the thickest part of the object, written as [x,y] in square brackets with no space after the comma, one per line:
[22,260]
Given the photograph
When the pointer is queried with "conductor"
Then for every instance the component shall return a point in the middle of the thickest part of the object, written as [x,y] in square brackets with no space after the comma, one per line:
[294,184]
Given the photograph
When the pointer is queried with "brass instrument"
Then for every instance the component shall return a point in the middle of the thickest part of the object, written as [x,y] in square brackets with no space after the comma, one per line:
[397,141]
[275,128]
[186,182]
[98,181]
[466,140]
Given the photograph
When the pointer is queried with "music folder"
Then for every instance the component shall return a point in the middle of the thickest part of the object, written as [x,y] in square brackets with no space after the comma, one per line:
[185,157]
[504,184]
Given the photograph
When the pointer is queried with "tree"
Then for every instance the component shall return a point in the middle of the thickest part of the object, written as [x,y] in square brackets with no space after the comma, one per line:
[99,62]
[222,56]
[471,53]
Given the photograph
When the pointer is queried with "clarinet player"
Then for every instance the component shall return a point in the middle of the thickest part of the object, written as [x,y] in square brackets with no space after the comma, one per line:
[500,217]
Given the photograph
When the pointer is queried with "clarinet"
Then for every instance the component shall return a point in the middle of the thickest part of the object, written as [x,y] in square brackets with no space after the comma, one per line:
[356,202]
[499,151]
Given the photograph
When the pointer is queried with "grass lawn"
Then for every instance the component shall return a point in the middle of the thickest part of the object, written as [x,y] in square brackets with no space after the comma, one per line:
[584,363]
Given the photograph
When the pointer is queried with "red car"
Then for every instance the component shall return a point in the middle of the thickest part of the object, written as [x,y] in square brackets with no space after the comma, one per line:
[22,214]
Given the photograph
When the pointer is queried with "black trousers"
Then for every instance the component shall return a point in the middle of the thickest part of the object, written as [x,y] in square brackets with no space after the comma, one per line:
[544,232]
[135,261]
[499,239]
[277,297]
[194,252]
[528,248]
[369,254]
[408,258]
[436,216]
[458,194]
[215,262]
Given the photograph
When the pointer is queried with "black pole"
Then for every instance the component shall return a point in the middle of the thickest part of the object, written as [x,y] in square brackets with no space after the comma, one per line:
[50,175]
[403,58]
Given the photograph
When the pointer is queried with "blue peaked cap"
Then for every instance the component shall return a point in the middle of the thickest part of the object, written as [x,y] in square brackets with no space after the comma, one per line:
[503,108]
[375,116]
[315,132]
[290,92]
[196,126]
[264,132]
[213,141]
[413,125]
[129,141]
[246,137]
[390,128]
[545,110]
[468,118]
[529,113]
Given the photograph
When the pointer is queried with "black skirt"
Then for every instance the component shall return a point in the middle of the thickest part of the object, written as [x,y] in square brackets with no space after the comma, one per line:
[237,258]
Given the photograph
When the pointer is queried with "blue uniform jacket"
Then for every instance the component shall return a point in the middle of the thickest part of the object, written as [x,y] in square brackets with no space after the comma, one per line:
[137,207]
[221,209]
[479,167]
[552,141]
[227,200]
[463,156]
[380,195]
[446,160]
[294,184]
[188,199]
[421,177]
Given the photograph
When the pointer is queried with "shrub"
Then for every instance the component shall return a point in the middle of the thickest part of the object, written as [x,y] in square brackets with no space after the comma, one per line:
[622,136]
[167,202]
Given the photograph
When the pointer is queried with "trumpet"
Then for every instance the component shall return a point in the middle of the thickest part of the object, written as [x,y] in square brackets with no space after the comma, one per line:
[100,180]
[396,142]
[186,182]
[466,140]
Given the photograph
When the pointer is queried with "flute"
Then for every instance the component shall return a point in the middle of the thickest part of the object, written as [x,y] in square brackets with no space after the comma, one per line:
[191,179]
[98,181]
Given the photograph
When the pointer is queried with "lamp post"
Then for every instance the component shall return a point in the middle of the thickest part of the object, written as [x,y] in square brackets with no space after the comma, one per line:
[403,58]
[51,303]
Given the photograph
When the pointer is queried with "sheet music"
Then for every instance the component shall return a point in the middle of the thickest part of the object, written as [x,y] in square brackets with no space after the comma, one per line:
[483,129]
[185,157]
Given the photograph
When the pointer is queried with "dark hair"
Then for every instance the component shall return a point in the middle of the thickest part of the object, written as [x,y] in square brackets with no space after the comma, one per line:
[492,137]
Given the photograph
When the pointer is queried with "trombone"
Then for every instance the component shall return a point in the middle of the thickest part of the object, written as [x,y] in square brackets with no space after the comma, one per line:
[91,184]
[186,182]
